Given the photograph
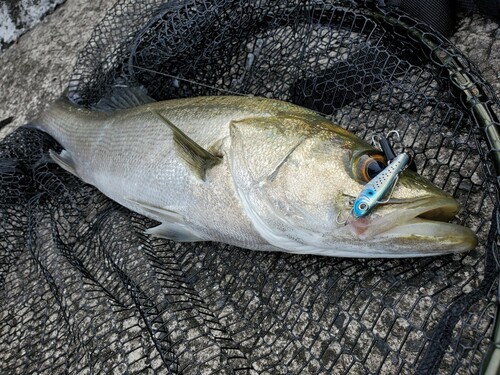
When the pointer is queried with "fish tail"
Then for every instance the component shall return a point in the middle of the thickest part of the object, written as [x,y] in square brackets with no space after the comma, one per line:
[43,124]
[63,121]
[49,120]
[67,124]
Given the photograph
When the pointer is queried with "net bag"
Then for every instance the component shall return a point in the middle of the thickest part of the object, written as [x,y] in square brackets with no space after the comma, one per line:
[84,290]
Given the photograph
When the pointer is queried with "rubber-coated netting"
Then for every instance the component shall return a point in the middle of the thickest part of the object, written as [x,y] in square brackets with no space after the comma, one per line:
[83,290]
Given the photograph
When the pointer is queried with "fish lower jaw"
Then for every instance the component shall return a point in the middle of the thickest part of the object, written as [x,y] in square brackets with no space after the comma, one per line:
[429,237]
[417,228]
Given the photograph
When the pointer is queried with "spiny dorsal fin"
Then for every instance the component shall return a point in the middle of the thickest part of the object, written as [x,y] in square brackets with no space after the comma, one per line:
[198,159]
[123,97]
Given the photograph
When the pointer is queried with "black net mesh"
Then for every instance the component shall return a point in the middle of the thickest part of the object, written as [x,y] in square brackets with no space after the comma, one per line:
[83,290]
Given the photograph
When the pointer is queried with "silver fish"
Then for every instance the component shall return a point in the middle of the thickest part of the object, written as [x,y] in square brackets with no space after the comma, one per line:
[257,173]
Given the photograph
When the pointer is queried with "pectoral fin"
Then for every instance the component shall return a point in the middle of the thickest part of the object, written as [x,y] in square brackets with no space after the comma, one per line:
[64,160]
[196,157]
[164,213]
[173,228]
[173,231]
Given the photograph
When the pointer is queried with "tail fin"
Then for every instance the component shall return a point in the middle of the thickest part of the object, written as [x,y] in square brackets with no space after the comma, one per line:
[59,120]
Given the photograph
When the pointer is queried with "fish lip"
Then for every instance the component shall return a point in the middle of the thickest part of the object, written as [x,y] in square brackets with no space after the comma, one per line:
[432,209]
[403,233]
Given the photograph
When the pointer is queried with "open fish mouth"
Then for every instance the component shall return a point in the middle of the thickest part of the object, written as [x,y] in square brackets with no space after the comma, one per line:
[419,224]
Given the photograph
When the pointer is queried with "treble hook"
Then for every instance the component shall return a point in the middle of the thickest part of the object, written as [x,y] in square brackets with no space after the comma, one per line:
[386,146]
[393,132]
[344,221]
[388,151]
[349,203]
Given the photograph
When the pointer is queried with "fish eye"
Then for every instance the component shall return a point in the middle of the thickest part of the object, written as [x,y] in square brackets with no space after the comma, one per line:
[369,166]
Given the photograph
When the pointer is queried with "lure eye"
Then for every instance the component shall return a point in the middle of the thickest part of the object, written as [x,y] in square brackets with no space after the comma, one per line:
[368,166]
[360,208]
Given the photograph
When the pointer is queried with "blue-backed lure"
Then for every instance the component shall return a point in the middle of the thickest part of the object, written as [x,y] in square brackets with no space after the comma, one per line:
[375,190]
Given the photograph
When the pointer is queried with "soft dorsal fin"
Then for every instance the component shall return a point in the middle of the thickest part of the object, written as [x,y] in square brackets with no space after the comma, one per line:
[197,158]
[123,96]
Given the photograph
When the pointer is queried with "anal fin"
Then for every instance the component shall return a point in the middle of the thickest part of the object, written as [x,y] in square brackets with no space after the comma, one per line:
[166,214]
[173,231]
[197,158]
[64,160]
[173,227]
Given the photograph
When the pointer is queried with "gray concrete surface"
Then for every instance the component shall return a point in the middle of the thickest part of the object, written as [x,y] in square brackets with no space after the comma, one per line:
[35,70]
[479,38]
[18,16]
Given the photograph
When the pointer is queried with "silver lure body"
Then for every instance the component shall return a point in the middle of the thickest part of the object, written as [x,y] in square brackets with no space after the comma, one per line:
[375,190]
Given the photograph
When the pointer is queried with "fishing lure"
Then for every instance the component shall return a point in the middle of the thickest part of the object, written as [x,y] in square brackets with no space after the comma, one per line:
[375,190]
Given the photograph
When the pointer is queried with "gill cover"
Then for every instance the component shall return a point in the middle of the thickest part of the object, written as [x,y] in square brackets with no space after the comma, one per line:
[279,167]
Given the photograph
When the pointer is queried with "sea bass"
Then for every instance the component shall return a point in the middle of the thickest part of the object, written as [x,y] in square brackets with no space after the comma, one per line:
[252,172]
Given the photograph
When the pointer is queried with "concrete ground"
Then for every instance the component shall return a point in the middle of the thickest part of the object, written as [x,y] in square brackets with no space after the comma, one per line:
[35,70]
[19,16]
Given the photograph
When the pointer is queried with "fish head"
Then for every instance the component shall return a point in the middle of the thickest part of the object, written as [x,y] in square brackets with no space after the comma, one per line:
[297,177]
